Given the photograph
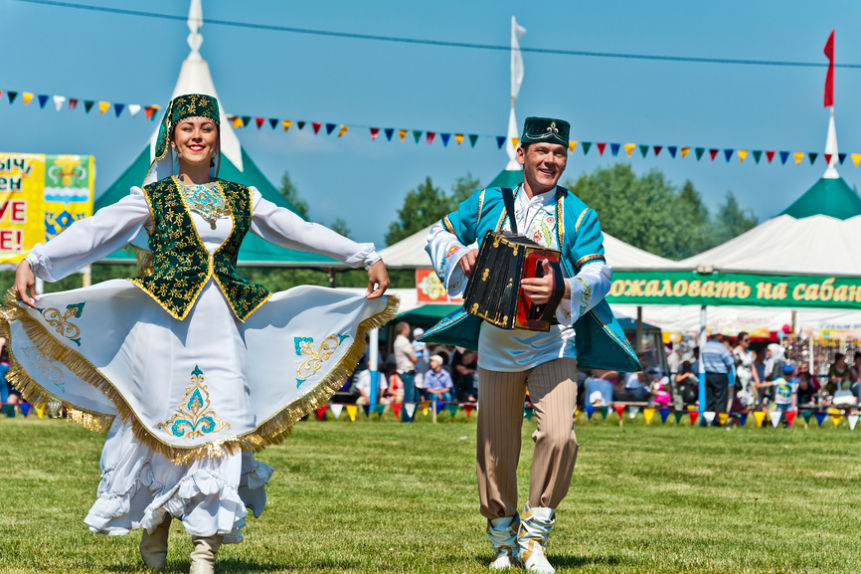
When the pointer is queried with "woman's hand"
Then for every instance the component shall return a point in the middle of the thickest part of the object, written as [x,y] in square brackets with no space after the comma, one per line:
[25,282]
[378,280]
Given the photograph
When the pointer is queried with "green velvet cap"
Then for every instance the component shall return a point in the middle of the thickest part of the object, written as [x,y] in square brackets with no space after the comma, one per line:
[546,130]
[180,108]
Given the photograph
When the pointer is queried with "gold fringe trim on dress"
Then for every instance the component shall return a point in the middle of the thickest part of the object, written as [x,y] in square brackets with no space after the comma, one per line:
[271,431]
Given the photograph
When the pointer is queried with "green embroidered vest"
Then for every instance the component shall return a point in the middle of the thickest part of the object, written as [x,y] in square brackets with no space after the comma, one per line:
[181,263]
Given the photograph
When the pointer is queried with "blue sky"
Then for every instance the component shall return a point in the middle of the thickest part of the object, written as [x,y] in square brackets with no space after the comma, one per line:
[129,59]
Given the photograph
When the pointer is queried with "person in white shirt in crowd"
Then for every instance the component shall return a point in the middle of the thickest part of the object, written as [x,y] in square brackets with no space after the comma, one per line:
[405,361]
[420,348]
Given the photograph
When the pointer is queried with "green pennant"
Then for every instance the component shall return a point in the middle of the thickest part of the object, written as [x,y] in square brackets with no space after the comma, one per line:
[452,408]
[586,146]
[644,149]
[379,408]
[528,412]
[9,410]
[604,410]
[678,416]
[472,139]
[245,120]
[806,415]
[756,155]
[417,135]
[699,152]
[88,105]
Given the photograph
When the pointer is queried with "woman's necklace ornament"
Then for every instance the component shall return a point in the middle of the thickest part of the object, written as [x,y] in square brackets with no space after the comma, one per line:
[206,200]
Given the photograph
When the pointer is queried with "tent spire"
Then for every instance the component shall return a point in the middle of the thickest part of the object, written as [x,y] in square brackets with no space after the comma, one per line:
[517,33]
[195,22]
[831,148]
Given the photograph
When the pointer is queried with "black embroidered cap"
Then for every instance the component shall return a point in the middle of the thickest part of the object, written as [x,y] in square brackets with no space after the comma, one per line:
[549,130]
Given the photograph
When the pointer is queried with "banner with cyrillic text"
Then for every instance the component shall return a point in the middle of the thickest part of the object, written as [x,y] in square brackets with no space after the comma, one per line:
[40,196]
[690,288]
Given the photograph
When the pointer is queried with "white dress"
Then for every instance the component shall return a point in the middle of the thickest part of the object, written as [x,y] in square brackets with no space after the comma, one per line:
[194,396]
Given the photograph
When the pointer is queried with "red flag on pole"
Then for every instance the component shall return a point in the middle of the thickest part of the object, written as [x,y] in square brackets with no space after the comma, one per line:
[829,77]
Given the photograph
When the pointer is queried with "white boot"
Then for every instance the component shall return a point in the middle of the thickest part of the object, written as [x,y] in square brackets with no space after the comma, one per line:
[203,555]
[503,535]
[535,525]
[154,545]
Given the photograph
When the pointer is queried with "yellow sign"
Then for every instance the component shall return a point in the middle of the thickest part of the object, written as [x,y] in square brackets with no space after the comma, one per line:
[40,196]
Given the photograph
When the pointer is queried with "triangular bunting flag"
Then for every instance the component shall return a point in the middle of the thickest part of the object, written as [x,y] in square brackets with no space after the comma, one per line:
[379,408]
[321,412]
[709,417]
[775,417]
[742,155]
[784,155]
[28,96]
[374,133]
[632,412]
[446,137]
[389,133]
[59,101]
[742,419]
[812,157]
[500,141]
[664,414]
[40,411]
[245,120]
[856,157]
[769,155]
[473,138]
[528,412]
[402,134]
[11,96]
[757,154]
[678,416]
[799,155]
[430,137]
[601,147]
[103,107]
[316,126]
[396,408]
[820,417]
[828,157]
[806,415]
[648,413]
[468,408]
[693,416]
[342,130]
[685,151]
[452,408]
[727,153]
[300,125]
[672,149]
[586,146]
[614,149]
[658,149]
[604,409]
[149,111]
[425,406]
[459,139]
[336,410]
[629,148]
[841,157]
[758,416]
[644,149]
[409,411]
[417,135]
[514,141]
[367,410]
[836,418]
[9,410]
[438,406]
[620,409]
[118,109]
[722,418]
[330,128]
[790,417]
[852,420]
[43,99]
[351,411]
[572,145]
[713,153]
[273,123]
[590,410]
[25,409]
[236,122]
[134,109]
[286,124]
[698,152]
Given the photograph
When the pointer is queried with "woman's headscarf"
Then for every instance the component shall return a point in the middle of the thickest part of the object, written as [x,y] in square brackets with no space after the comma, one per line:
[181,108]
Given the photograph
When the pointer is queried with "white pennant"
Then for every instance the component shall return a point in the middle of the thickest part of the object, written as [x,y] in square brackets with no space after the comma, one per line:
[134,109]
[709,416]
[336,410]
[410,408]
[853,419]
[632,411]
[59,101]
[775,417]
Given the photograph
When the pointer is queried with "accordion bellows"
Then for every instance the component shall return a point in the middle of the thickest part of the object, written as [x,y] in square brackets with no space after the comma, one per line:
[493,291]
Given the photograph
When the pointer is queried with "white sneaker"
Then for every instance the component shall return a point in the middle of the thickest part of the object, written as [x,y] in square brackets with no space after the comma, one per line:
[537,561]
[503,560]
[503,535]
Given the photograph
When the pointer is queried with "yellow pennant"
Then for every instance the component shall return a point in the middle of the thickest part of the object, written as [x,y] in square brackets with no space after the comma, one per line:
[351,411]
[39,411]
[514,141]
[742,154]
[29,96]
[722,418]
[237,122]
[572,145]
[103,107]
[342,131]
[576,413]
[459,138]
[856,157]
[648,412]
[799,155]
[285,123]
[759,416]
[425,406]
[685,151]
[836,419]
[629,149]
[402,134]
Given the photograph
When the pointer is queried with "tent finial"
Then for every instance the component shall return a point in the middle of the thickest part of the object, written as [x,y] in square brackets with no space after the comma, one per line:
[195,22]
[831,148]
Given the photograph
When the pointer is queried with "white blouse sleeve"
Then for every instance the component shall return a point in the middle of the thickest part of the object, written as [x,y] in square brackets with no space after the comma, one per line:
[286,229]
[588,288]
[92,238]
[445,252]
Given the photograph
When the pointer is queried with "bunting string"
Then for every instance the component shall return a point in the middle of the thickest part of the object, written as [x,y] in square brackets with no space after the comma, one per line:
[445,139]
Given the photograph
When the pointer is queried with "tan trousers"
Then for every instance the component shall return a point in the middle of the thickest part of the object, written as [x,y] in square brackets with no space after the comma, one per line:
[553,392]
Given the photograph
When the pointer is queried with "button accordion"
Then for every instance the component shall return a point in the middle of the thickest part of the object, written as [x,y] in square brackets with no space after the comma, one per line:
[493,291]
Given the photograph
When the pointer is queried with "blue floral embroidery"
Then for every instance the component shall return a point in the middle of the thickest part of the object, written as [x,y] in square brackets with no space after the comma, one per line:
[194,418]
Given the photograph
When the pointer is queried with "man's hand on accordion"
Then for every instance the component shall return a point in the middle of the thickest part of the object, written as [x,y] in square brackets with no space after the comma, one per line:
[540,289]
[467,262]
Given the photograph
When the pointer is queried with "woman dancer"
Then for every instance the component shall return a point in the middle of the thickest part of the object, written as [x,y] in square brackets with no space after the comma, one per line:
[189,366]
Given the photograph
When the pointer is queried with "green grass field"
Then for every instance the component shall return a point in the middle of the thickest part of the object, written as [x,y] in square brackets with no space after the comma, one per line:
[380,496]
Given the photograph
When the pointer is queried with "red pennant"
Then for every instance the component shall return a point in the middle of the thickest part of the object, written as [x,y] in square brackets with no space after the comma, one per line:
[321,412]
[601,146]
[259,122]
[73,103]
[828,100]
[396,407]
[790,417]
[149,111]
[620,410]
[769,155]
[713,153]
[374,133]
[693,415]
[468,409]
[658,149]
[828,158]
[316,126]
[430,136]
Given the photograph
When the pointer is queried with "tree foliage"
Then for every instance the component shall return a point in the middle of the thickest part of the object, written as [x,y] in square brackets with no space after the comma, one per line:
[291,194]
